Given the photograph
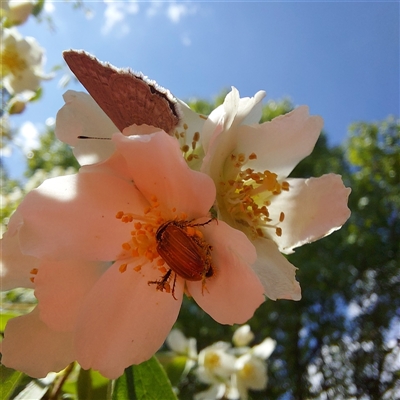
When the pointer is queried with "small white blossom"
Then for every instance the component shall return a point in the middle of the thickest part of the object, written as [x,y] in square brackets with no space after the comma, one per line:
[242,336]
[19,11]
[21,62]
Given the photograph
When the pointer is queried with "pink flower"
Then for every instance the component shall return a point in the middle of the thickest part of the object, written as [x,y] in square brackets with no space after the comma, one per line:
[250,164]
[105,296]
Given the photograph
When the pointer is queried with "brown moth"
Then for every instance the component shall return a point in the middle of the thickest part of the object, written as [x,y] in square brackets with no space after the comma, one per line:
[125,96]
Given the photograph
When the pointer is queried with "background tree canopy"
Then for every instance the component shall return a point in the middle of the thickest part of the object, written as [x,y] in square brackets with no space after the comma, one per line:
[341,340]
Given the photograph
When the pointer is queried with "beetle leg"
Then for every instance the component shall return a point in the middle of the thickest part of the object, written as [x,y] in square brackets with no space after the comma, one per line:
[162,284]
[173,287]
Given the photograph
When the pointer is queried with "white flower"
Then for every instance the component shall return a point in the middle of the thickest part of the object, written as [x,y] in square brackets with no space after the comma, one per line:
[250,163]
[183,346]
[216,364]
[251,374]
[251,369]
[242,336]
[21,62]
[19,11]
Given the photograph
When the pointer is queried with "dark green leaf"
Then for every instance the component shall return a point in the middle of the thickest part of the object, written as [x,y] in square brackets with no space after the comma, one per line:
[147,381]
[9,379]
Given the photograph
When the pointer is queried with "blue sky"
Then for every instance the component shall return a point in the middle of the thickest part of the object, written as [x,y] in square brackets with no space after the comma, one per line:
[339,58]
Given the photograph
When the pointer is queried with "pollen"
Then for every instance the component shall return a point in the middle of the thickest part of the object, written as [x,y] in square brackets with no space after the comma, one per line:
[253,156]
[11,62]
[122,268]
[33,271]
[126,246]
[189,143]
[248,195]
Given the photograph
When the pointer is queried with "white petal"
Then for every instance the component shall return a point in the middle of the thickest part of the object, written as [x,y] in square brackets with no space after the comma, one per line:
[264,349]
[275,272]
[81,116]
[314,208]
[281,143]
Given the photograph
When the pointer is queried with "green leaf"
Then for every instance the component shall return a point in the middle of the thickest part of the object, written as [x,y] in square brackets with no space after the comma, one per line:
[4,317]
[37,8]
[176,366]
[147,381]
[91,385]
[9,379]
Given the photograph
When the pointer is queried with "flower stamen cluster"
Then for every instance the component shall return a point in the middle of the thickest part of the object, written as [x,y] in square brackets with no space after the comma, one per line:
[191,149]
[147,244]
[11,61]
[248,195]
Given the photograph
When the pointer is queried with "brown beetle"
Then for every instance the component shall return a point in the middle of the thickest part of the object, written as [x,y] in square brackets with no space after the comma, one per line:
[186,253]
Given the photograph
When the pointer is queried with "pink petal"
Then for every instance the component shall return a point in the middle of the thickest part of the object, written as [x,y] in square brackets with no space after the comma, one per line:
[15,267]
[313,209]
[281,143]
[234,292]
[125,320]
[61,286]
[158,169]
[275,272]
[74,217]
[32,347]
[81,116]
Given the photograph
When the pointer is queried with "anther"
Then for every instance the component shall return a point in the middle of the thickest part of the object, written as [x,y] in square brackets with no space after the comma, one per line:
[253,156]
[122,268]
[126,246]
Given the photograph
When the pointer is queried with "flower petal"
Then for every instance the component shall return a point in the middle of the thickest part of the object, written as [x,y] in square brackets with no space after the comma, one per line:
[74,217]
[30,346]
[275,272]
[264,349]
[61,286]
[124,320]
[15,267]
[158,169]
[233,112]
[81,116]
[314,208]
[281,143]
[232,254]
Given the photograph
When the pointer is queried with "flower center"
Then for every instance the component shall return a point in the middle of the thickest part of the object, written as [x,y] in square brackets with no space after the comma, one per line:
[247,372]
[175,247]
[212,360]
[11,62]
[190,145]
[248,194]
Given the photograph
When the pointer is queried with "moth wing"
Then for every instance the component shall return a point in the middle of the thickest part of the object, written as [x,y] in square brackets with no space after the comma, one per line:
[127,98]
